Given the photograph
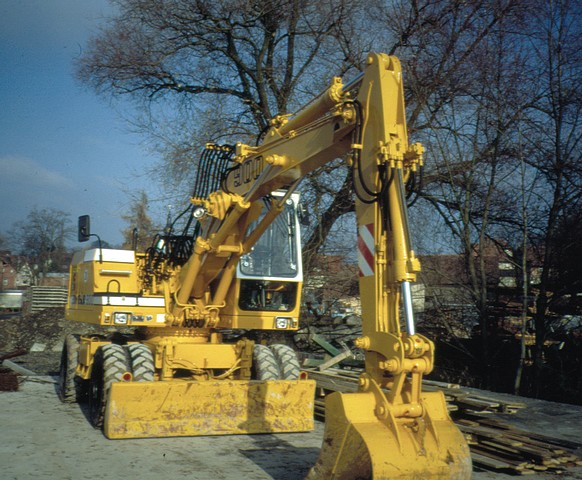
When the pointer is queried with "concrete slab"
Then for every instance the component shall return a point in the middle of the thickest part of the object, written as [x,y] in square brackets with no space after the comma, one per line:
[45,439]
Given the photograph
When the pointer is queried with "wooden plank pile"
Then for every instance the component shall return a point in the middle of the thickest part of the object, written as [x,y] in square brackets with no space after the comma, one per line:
[498,446]
[495,445]
[468,402]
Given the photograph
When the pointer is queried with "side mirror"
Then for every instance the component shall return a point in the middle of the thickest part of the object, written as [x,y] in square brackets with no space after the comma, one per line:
[84,230]
[303,215]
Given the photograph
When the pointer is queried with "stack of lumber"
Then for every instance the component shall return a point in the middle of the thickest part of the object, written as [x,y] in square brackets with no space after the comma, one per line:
[495,446]
[465,401]
[500,447]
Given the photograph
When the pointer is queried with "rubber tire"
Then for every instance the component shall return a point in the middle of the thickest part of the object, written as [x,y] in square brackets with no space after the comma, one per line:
[265,365]
[109,365]
[142,362]
[68,386]
[287,360]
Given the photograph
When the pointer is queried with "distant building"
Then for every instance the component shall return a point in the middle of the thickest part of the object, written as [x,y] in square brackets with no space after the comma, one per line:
[8,271]
[442,293]
[15,273]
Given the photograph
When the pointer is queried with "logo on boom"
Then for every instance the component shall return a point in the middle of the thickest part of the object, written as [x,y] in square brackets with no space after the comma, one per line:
[248,171]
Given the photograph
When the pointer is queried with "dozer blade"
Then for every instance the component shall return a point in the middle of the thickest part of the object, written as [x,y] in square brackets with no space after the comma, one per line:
[189,408]
[357,445]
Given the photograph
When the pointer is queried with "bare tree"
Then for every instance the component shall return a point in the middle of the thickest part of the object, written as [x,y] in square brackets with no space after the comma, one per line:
[41,239]
[141,229]
[527,189]
[248,59]
[521,101]
[440,44]
[228,67]
[471,182]
[554,134]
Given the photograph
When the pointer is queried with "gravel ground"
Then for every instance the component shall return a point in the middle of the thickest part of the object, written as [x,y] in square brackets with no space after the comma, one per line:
[46,439]
[41,335]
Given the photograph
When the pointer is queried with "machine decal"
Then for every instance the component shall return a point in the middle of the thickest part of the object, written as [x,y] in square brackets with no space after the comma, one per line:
[366,250]
[248,171]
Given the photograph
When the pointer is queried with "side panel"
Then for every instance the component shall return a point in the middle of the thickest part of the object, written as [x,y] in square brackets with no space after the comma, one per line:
[104,290]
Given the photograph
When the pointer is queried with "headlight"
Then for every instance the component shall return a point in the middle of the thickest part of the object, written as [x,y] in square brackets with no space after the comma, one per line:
[121,318]
[282,323]
[199,213]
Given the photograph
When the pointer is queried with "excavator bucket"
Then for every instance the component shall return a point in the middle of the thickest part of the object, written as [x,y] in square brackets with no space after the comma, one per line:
[190,408]
[359,445]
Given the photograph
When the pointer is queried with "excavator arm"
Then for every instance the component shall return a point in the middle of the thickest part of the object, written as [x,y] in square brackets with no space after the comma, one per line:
[330,127]
[390,428]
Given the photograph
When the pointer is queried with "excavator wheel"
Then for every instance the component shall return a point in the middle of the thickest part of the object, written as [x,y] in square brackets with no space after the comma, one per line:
[287,360]
[109,365]
[68,385]
[142,362]
[265,365]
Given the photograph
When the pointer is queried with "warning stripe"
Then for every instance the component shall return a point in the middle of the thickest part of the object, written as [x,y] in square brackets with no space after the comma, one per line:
[366,250]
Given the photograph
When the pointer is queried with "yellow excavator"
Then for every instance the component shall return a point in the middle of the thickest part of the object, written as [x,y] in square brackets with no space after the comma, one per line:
[234,268]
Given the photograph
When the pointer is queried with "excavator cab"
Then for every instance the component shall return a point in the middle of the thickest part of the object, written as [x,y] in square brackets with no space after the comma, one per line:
[266,293]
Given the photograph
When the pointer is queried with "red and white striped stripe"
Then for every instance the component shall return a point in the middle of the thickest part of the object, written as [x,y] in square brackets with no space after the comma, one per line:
[366,250]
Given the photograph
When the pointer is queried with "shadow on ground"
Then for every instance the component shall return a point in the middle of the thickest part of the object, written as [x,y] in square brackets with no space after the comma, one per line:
[279,458]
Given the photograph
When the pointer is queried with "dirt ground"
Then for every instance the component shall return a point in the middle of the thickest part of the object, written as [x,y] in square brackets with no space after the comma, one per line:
[43,331]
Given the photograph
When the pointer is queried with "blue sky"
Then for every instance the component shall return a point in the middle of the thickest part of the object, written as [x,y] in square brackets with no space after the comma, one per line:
[61,146]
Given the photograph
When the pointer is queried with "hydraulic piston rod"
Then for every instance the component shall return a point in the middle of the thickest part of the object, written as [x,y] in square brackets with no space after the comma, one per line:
[408,313]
